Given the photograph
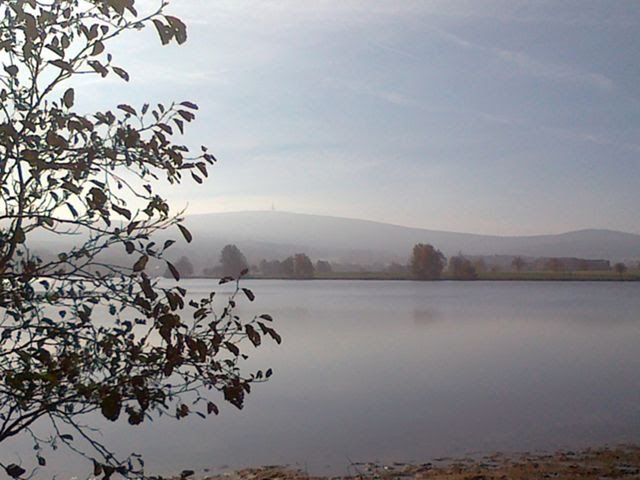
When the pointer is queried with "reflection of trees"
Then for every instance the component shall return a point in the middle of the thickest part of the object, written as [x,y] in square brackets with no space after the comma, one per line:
[425,317]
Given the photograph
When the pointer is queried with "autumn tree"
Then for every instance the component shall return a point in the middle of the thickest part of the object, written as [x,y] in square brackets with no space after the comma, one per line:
[554,264]
[461,268]
[78,333]
[324,267]
[288,266]
[620,268]
[232,260]
[518,263]
[302,266]
[427,262]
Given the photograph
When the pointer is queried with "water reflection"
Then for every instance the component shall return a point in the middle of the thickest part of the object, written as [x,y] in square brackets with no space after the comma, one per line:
[424,317]
[501,366]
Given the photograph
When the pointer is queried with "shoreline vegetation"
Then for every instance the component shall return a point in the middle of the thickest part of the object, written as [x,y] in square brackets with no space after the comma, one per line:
[619,462]
[588,276]
[425,263]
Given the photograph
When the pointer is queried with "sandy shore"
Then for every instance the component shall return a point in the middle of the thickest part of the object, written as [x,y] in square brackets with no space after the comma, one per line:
[621,462]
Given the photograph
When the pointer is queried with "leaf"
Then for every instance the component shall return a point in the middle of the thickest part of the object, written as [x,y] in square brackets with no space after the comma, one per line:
[185,233]
[108,471]
[268,373]
[190,105]
[253,335]
[180,124]
[129,247]
[55,140]
[273,334]
[212,408]
[163,32]
[41,461]
[141,263]
[72,209]
[11,70]
[121,73]
[66,436]
[232,348]
[68,98]
[203,168]
[98,67]
[249,294]
[165,128]
[110,406]
[98,48]
[188,116]
[122,211]
[127,108]
[61,64]
[179,29]
[267,317]
[174,271]
[14,470]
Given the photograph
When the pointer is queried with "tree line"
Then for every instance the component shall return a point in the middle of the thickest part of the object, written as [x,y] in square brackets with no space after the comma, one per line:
[232,262]
[426,262]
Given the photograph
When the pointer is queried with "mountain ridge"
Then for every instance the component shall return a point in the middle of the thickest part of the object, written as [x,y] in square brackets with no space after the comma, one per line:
[360,240]
[378,222]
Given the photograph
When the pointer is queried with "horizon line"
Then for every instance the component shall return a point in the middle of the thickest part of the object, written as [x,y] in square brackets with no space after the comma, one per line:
[378,222]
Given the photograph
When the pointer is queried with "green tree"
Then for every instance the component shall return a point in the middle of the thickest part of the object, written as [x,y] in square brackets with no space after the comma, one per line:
[78,333]
[233,261]
[426,262]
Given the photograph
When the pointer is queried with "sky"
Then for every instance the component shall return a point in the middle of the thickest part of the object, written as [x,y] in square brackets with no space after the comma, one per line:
[495,117]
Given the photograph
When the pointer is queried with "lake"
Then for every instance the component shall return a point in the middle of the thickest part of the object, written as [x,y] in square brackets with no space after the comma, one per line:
[409,371]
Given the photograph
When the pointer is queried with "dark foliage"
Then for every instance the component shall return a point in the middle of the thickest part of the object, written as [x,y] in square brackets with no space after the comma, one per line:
[232,260]
[461,268]
[427,263]
[80,334]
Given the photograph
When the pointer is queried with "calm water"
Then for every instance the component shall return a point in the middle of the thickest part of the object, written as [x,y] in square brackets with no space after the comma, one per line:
[408,371]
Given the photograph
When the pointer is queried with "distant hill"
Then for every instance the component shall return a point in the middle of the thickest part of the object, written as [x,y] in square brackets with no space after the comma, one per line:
[278,234]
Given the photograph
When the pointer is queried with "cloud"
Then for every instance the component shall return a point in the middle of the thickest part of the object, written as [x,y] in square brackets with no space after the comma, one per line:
[554,71]
[361,88]
[534,67]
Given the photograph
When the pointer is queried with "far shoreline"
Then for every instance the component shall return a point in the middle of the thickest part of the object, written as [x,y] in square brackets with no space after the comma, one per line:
[619,462]
[483,277]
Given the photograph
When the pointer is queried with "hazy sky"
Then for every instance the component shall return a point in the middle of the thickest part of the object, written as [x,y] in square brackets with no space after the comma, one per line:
[499,117]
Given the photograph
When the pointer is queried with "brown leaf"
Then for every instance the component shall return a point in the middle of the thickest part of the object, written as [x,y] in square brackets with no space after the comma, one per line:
[185,233]
[66,66]
[68,98]
[163,31]
[121,73]
[140,264]
[127,108]
[98,48]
